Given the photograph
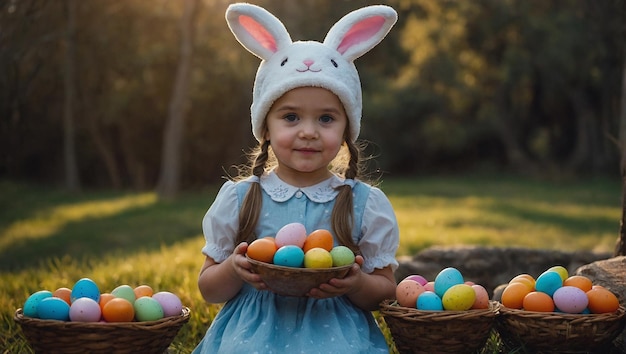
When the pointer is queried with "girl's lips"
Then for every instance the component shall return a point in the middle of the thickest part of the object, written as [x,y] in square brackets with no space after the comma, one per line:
[306,150]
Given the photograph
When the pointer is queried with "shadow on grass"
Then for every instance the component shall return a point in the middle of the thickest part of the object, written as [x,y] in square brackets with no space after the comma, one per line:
[33,230]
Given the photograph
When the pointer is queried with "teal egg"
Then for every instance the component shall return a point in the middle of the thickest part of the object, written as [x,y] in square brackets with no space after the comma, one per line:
[548,282]
[289,256]
[53,308]
[147,309]
[429,301]
[446,279]
[30,306]
[85,287]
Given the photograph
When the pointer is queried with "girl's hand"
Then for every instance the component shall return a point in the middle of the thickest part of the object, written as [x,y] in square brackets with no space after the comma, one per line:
[337,287]
[242,267]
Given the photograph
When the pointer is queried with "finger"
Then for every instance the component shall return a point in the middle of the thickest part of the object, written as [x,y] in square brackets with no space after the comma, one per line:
[241,248]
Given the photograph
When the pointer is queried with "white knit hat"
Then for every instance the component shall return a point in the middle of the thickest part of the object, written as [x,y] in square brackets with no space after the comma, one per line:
[286,65]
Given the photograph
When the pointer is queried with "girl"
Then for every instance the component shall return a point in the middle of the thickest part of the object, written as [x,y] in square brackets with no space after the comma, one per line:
[306,114]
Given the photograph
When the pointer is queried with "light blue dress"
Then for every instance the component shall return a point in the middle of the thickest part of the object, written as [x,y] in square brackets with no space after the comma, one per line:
[262,322]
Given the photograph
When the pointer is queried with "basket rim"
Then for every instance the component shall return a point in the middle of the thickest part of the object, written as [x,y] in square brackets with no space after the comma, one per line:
[510,312]
[390,307]
[298,269]
[37,322]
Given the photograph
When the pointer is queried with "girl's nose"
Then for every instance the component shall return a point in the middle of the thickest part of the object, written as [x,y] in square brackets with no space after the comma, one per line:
[308,130]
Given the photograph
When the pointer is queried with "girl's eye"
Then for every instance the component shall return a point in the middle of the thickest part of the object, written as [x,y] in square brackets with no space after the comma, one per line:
[290,117]
[326,119]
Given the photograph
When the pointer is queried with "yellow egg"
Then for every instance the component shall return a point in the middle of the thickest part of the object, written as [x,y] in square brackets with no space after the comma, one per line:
[562,271]
[318,258]
[459,297]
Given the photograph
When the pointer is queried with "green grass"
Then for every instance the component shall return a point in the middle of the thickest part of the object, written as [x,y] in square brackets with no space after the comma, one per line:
[50,239]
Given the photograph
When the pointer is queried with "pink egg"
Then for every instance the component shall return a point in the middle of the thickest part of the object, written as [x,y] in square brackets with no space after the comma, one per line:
[482,297]
[171,304]
[407,292]
[570,299]
[418,278]
[85,309]
[430,286]
[291,234]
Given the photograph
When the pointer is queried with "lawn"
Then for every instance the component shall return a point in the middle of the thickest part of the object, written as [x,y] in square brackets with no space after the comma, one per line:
[50,238]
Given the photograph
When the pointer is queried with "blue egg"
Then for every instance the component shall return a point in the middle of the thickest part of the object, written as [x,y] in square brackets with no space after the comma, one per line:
[548,282]
[446,279]
[53,308]
[85,287]
[30,306]
[289,256]
[429,301]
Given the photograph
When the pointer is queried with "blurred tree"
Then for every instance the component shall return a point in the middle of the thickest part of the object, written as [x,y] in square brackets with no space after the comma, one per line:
[620,247]
[517,83]
[72,181]
[454,86]
[169,177]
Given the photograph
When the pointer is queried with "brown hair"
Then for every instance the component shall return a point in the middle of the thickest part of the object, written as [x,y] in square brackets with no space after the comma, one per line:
[346,164]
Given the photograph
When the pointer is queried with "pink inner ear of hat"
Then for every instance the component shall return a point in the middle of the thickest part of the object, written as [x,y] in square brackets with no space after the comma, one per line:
[361,31]
[259,33]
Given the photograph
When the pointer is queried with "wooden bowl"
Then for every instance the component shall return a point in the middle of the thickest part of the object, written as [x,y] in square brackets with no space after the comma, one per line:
[291,281]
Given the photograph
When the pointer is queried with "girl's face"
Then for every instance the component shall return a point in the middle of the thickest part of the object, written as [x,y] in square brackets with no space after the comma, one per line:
[306,128]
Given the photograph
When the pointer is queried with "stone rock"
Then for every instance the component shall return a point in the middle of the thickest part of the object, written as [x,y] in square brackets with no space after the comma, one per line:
[611,274]
[491,266]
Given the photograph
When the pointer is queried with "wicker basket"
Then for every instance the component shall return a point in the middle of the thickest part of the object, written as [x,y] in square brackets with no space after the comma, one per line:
[417,331]
[559,332]
[51,336]
[291,281]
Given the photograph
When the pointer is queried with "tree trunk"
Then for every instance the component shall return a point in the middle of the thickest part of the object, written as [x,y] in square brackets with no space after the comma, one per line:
[620,247]
[72,181]
[169,177]
[514,152]
[584,121]
[105,150]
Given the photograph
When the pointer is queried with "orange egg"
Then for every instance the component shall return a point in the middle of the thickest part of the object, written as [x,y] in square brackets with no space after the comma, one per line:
[526,279]
[104,298]
[63,293]
[262,249]
[143,290]
[581,282]
[118,310]
[513,295]
[538,301]
[319,238]
[602,300]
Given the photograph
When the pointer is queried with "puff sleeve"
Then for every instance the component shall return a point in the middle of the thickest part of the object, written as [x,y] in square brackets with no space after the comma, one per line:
[220,224]
[379,228]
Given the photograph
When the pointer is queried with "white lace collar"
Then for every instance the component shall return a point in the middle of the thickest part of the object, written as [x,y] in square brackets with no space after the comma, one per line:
[322,192]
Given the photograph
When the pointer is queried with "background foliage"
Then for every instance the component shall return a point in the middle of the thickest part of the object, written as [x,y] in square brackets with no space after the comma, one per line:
[457,85]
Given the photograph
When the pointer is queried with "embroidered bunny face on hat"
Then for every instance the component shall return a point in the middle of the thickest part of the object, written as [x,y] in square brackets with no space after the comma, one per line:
[286,65]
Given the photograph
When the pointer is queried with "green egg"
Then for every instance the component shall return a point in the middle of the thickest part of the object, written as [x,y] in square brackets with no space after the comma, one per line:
[342,256]
[147,309]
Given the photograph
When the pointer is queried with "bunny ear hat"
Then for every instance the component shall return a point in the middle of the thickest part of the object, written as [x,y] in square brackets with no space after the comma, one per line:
[286,65]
